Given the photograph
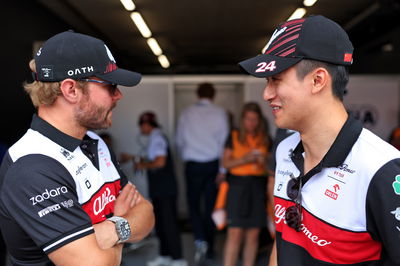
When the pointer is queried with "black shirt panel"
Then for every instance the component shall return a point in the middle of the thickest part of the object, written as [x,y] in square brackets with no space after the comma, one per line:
[46,201]
[383,211]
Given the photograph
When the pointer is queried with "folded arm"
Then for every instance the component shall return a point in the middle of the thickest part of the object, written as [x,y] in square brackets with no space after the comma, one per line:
[132,206]
[85,251]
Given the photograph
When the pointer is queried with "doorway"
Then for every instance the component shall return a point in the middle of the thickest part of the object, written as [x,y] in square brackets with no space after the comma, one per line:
[229,96]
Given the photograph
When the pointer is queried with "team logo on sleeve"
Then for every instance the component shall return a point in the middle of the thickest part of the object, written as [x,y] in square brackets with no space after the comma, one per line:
[396,185]
[47,194]
[49,209]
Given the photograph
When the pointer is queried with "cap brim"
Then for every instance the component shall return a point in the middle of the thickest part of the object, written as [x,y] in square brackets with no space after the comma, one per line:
[121,77]
[266,65]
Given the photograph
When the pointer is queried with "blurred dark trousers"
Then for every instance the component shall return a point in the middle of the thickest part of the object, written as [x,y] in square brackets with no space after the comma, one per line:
[167,227]
[201,191]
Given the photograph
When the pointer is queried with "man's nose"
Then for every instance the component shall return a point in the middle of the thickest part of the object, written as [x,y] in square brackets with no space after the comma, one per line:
[269,92]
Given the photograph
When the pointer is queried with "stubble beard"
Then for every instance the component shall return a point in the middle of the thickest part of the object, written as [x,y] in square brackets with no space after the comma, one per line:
[92,116]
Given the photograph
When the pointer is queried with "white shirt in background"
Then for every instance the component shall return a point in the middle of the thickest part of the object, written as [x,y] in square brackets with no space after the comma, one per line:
[202,131]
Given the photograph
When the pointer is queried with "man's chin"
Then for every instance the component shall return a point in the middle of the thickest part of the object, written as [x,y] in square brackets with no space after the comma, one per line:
[106,124]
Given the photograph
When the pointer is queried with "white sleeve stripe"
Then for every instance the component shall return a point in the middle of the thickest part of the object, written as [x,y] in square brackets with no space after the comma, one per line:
[66,238]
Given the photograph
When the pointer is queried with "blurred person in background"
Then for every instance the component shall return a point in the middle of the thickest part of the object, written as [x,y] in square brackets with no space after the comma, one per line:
[245,157]
[163,191]
[200,136]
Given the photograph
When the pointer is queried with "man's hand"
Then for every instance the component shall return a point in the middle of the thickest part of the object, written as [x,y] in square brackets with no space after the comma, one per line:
[104,238]
[128,198]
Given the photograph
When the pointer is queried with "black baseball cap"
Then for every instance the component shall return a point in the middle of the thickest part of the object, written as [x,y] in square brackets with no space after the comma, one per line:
[75,55]
[314,37]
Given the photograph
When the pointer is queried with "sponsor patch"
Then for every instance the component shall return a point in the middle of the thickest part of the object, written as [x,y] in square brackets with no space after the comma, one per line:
[78,71]
[47,194]
[345,167]
[396,185]
[336,187]
[80,169]
[49,209]
[331,194]
[396,213]
[67,203]
[47,72]
[66,154]
[87,183]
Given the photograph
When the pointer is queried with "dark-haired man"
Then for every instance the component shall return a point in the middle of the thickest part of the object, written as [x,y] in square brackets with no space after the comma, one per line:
[337,185]
[200,137]
[63,198]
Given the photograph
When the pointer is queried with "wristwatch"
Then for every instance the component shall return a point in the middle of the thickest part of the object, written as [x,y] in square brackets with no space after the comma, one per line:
[122,227]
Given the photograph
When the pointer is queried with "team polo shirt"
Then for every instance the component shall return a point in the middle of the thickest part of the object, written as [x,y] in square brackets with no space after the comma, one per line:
[351,202]
[53,188]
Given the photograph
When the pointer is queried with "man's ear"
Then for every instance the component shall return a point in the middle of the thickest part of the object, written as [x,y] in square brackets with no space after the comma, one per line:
[70,90]
[320,79]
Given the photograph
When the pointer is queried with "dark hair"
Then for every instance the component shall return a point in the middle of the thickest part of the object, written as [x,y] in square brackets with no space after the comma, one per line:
[262,128]
[148,117]
[206,90]
[339,74]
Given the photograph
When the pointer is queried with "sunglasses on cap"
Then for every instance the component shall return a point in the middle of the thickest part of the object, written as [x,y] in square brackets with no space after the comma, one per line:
[293,214]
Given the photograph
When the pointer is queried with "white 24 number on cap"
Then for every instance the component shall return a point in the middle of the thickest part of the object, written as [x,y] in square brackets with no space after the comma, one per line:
[263,66]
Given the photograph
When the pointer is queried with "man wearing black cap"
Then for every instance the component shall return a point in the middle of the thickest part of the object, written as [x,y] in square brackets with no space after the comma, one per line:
[63,197]
[337,185]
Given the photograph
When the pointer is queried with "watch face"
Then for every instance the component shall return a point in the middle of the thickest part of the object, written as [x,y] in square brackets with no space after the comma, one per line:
[124,230]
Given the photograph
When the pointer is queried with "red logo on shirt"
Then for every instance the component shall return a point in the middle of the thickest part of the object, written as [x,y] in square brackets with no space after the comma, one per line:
[102,203]
[331,194]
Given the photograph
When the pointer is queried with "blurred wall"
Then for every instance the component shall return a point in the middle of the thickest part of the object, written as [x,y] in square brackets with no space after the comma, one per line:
[23,22]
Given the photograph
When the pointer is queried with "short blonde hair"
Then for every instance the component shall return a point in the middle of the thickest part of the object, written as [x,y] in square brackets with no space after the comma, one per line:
[44,93]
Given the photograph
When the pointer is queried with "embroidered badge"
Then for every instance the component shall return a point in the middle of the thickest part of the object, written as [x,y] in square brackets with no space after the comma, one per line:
[396,185]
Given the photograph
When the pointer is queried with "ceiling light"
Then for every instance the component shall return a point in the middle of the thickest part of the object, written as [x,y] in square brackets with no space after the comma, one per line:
[298,13]
[163,61]
[387,47]
[154,46]
[140,24]
[309,2]
[128,4]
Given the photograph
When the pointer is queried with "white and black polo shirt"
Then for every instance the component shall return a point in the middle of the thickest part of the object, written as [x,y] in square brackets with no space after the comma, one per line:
[53,187]
[351,202]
